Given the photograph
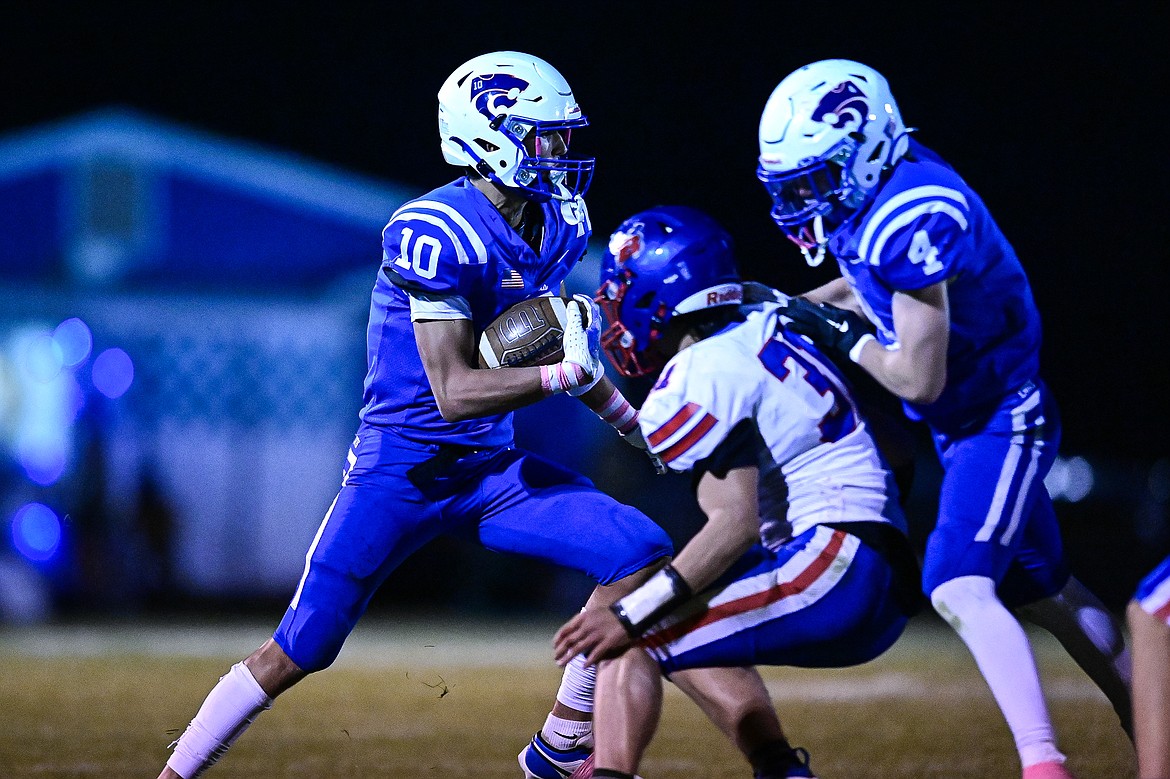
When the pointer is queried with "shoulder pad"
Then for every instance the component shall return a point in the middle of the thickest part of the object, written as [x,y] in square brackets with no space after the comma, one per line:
[909,233]
[428,245]
[692,408]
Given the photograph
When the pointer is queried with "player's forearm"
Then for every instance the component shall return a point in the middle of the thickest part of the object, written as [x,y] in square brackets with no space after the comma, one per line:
[718,544]
[597,397]
[836,293]
[917,370]
[915,380]
[607,401]
[479,392]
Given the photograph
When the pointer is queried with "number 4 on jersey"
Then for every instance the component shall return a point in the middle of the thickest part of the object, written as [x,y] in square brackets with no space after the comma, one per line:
[922,252]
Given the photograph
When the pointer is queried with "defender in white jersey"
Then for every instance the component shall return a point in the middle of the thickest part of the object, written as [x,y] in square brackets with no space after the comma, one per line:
[803,560]
[935,305]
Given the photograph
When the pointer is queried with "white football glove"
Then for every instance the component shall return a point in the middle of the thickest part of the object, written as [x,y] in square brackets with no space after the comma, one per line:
[581,367]
[593,339]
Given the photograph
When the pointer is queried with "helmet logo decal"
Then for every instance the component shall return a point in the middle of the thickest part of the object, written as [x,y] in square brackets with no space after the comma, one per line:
[842,104]
[724,295]
[491,95]
[626,244]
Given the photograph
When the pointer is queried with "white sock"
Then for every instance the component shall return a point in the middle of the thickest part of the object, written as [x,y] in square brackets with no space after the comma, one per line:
[565,734]
[230,707]
[1092,637]
[1004,656]
[576,690]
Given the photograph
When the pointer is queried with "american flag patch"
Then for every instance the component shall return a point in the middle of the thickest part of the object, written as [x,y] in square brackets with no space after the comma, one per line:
[512,280]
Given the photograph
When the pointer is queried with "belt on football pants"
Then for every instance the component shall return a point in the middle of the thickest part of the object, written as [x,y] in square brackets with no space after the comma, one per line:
[440,462]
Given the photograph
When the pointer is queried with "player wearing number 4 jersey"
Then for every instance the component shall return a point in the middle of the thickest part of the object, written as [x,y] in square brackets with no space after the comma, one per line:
[434,452]
[803,560]
[958,339]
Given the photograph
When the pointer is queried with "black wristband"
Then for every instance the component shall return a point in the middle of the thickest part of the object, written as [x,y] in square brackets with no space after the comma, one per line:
[659,596]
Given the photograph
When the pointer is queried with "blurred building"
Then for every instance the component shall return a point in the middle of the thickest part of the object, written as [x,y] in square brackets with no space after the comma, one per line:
[182,348]
[181,353]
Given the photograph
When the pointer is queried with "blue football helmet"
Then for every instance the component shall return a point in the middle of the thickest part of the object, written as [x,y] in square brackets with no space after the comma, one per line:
[827,132]
[491,103]
[661,262]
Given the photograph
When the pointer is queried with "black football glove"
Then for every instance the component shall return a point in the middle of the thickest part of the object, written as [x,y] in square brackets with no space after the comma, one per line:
[755,292]
[841,332]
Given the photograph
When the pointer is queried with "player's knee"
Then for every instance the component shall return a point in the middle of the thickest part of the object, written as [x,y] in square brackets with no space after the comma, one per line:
[643,553]
[649,545]
[316,654]
[314,638]
[955,599]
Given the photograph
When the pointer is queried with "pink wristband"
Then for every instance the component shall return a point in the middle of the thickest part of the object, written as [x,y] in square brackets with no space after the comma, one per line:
[554,379]
[618,412]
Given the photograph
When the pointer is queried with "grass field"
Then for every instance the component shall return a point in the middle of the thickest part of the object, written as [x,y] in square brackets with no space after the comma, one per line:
[422,699]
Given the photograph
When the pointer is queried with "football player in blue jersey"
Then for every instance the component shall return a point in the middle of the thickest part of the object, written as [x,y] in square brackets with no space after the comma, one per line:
[1148,615]
[434,452]
[934,304]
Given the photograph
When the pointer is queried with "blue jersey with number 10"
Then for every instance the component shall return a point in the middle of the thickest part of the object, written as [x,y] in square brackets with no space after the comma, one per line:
[453,243]
[925,226]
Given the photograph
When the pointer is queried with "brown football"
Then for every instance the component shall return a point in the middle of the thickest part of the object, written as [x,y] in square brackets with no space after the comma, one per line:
[529,333]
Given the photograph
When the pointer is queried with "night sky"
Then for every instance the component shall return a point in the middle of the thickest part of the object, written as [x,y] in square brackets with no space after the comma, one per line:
[1057,117]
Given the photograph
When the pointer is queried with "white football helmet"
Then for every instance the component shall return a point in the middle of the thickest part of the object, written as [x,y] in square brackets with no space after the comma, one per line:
[491,103]
[827,133]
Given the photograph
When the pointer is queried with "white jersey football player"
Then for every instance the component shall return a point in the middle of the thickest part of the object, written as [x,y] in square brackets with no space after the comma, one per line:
[803,560]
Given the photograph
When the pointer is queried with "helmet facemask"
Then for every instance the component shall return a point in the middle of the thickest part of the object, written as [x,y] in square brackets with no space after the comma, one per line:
[804,198]
[537,176]
[621,346]
[660,264]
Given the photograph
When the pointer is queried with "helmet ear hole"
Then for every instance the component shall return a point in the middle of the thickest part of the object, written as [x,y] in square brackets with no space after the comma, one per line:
[646,300]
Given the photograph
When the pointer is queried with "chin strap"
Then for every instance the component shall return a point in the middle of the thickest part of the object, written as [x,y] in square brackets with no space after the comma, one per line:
[819,237]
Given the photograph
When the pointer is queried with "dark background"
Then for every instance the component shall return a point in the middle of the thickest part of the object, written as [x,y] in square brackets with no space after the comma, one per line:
[1056,116]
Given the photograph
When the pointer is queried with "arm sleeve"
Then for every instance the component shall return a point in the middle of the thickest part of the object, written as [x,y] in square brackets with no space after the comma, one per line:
[424,306]
[739,449]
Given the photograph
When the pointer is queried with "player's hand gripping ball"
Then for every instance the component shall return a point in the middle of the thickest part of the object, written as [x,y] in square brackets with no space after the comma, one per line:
[529,333]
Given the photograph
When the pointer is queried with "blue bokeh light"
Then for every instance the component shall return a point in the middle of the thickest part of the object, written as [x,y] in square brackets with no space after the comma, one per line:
[44,460]
[43,359]
[75,340]
[113,372]
[36,532]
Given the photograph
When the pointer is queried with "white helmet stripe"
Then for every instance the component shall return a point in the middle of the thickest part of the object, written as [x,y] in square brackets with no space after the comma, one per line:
[720,295]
